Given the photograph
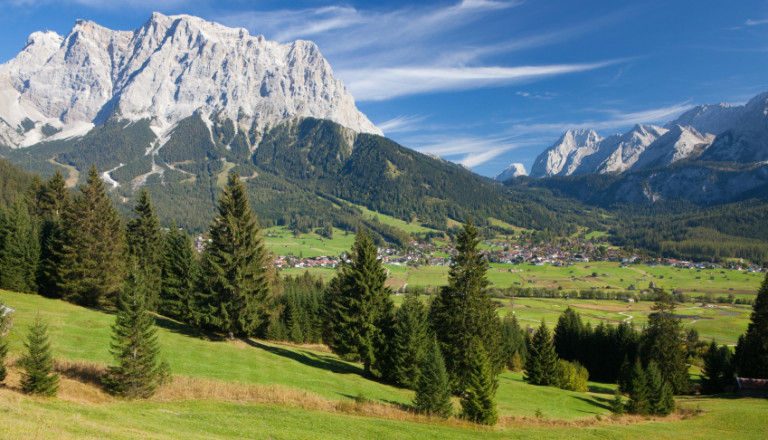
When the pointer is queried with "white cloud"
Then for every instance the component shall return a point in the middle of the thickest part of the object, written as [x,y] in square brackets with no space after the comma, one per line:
[751,22]
[401,124]
[466,150]
[616,120]
[376,84]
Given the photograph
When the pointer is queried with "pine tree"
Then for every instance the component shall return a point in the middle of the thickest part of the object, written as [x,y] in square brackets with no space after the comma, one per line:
[359,312]
[3,342]
[718,369]
[513,342]
[180,274]
[19,250]
[54,200]
[638,392]
[569,336]
[433,393]
[751,357]
[409,342]
[617,404]
[37,362]
[134,344]
[660,400]
[541,364]
[463,312]
[235,273]
[145,245]
[662,343]
[477,401]
[91,269]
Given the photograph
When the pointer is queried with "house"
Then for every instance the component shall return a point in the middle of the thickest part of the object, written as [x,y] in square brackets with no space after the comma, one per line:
[752,387]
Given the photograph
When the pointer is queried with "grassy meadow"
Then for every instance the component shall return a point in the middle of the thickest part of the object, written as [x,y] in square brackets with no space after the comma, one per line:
[255,389]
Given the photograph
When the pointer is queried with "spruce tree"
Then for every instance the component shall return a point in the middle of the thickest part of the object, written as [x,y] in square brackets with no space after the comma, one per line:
[134,344]
[541,364]
[662,343]
[180,273]
[433,392]
[513,343]
[463,312]
[3,342]
[145,245]
[477,401]
[235,279]
[617,404]
[718,369]
[638,392]
[90,270]
[660,399]
[751,357]
[359,312]
[19,250]
[53,202]
[409,342]
[37,362]
[569,336]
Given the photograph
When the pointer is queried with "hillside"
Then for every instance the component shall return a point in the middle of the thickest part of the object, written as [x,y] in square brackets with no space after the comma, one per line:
[269,390]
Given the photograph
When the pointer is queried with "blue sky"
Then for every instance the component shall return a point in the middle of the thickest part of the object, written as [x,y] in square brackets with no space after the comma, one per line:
[483,82]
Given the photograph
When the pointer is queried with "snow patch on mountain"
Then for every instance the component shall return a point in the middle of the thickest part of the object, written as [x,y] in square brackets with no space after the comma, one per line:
[166,70]
[513,170]
[564,156]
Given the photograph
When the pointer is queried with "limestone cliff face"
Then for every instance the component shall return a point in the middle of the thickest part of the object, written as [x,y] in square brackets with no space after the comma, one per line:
[168,69]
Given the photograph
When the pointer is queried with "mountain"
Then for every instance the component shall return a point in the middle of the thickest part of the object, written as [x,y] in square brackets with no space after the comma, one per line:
[746,139]
[565,156]
[165,71]
[617,153]
[680,142]
[513,170]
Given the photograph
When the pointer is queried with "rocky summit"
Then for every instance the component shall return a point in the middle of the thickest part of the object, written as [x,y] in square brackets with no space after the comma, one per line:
[168,69]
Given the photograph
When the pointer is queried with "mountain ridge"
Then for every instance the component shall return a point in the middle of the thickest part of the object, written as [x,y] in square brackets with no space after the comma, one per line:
[166,70]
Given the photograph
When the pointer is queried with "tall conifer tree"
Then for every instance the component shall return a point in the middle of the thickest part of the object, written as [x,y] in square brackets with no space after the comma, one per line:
[134,344]
[752,350]
[359,313]
[19,250]
[541,364]
[718,369]
[145,245]
[38,376]
[235,274]
[569,336]
[463,312]
[662,343]
[53,202]
[91,269]
[477,402]
[180,273]
[409,342]
[433,392]
[3,342]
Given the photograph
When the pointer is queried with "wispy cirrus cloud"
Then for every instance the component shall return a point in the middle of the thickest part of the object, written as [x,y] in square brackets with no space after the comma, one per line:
[401,124]
[751,22]
[615,119]
[385,54]
[376,84]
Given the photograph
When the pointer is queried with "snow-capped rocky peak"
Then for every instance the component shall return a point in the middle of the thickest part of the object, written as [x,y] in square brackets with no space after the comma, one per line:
[513,170]
[168,69]
[713,119]
[622,151]
[565,155]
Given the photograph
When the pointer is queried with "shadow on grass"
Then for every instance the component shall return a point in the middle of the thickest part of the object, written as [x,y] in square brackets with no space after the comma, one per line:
[325,362]
[596,401]
[600,389]
[186,330]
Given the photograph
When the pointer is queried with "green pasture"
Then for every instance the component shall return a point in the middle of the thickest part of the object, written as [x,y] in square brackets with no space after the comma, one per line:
[281,241]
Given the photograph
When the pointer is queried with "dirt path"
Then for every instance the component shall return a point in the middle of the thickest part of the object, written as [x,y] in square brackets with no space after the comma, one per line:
[73,176]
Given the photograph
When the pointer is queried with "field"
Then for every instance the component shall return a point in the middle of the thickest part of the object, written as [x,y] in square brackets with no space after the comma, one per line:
[254,389]
[281,241]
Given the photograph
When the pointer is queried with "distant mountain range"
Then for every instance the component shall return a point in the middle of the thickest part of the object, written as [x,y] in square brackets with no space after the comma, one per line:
[710,154]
